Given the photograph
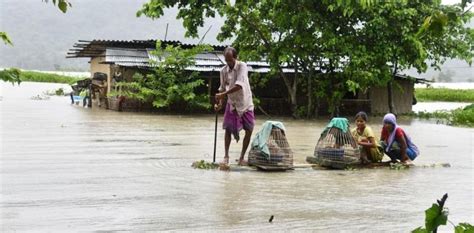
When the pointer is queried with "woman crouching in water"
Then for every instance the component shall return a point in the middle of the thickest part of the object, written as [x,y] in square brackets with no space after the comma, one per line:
[396,143]
[365,138]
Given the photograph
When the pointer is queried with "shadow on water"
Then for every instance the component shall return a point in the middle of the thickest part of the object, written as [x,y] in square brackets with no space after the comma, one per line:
[64,167]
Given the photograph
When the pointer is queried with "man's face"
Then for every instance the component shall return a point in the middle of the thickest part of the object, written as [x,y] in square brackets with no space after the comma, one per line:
[229,59]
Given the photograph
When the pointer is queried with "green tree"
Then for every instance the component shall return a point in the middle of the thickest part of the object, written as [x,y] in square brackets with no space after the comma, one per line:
[400,35]
[286,33]
[356,43]
[170,83]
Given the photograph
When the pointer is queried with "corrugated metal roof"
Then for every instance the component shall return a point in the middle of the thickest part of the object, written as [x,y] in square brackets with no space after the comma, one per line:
[208,56]
[204,62]
[267,70]
[87,48]
[115,59]
[132,64]
[200,62]
[138,53]
[126,52]
[116,55]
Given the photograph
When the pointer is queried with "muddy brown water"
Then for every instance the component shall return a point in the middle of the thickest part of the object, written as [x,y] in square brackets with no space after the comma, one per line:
[68,168]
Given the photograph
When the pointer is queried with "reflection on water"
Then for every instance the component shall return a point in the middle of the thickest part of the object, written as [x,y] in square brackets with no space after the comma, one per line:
[68,168]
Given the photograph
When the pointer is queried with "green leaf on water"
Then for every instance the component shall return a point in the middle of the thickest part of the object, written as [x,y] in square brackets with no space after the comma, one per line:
[435,217]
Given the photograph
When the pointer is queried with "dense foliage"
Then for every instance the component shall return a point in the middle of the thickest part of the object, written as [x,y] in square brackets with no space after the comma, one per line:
[10,75]
[356,44]
[170,83]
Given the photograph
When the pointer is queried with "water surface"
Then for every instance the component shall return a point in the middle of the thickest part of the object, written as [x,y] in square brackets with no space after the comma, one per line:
[68,168]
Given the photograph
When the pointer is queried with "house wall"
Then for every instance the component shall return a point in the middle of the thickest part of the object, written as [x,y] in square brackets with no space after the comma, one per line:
[273,97]
[96,66]
[403,91]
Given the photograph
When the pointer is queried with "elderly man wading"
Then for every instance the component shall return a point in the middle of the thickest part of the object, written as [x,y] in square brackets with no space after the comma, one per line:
[234,84]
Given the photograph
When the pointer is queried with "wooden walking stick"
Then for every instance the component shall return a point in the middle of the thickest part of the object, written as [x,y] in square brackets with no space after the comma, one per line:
[215,138]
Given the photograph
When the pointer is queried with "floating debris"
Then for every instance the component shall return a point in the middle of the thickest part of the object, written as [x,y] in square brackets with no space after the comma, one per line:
[40,97]
[59,92]
[271,219]
[399,166]
[204,165]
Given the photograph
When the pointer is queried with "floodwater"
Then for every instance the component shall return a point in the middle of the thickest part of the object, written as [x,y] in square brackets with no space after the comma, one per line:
[438,106]
[66,168]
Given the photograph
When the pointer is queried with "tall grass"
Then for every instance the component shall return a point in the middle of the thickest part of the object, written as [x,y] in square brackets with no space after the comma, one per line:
[444,94]
[464,116]
[33,76]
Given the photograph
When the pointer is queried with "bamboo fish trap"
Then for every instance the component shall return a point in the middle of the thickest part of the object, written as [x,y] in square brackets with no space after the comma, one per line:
[336,148]
[278,155]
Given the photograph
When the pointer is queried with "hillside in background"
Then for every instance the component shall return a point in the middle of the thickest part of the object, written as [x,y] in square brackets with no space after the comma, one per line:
[42,34]
[451,71]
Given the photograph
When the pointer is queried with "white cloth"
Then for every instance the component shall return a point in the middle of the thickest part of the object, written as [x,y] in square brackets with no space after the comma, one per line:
[240,100]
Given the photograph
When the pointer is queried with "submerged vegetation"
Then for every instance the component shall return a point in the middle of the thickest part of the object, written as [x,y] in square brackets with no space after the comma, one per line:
[204,165]
[461,116]
[444,94]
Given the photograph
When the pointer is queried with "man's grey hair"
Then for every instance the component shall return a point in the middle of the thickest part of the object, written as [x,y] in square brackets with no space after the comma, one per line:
[231,50]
